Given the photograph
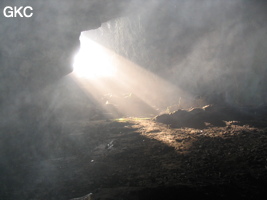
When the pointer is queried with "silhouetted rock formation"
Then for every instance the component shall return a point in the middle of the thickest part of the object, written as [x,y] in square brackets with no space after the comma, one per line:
[210,116]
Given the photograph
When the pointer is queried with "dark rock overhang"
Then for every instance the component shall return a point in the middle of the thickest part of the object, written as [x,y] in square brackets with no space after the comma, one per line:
[37,50]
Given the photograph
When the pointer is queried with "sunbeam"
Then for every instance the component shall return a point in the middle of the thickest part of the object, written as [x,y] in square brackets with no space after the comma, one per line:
[120,86]
[93,61]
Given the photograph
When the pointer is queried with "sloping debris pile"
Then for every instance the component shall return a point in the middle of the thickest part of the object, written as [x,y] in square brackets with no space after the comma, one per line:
[210,115]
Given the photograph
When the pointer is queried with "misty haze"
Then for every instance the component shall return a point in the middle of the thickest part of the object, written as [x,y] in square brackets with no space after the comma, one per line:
[115,99]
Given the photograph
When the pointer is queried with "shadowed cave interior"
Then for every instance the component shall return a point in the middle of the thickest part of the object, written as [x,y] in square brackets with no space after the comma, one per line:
[103,100]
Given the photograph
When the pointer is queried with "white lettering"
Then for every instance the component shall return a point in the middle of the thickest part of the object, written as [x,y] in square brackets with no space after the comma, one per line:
[8,11]
[17,11]
[24,11]
[21,11]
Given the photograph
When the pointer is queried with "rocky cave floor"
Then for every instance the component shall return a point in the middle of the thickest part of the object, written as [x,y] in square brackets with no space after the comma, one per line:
[139,158]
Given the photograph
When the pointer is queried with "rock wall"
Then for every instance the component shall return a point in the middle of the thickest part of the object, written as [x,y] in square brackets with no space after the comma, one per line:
[212,49]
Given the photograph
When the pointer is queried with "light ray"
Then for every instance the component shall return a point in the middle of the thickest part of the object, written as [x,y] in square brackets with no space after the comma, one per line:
[93,61]
[116,82]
